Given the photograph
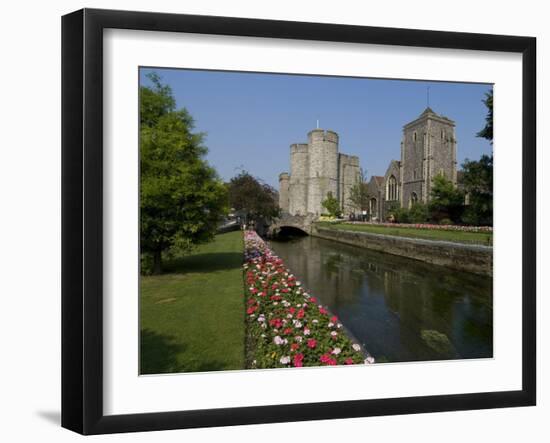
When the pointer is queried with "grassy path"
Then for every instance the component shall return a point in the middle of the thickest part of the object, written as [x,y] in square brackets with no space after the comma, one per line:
[481,238]
[192,317]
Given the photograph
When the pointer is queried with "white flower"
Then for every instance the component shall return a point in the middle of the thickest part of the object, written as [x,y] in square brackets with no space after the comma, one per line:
[297,324]
[334,333]
[306,331]
[285,360]
[315,321]
[278,340]
[263,325]
[298,283]
[369,360]
[339,325]
[299,338]
[356,347]
[298,305]
[288,315]
[275,303]
[330,325]
[336,351]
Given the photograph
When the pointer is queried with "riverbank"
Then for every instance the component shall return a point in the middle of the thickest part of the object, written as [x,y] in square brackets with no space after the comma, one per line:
[456,234]
[474,258]
[191,317]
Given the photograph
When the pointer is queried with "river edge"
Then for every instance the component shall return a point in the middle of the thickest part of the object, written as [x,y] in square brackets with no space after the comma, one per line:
[477,259]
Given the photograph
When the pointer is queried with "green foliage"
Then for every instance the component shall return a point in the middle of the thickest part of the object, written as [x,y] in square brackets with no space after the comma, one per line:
[478,184]
[446,200]
[401,215]
[332,205]
[487,131]
[359,193]
[249,194]
[418,213]
[182,199]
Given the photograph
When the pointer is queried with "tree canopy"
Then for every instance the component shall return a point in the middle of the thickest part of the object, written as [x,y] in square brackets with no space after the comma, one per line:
[478,185]
[331,204]
[487,131]
[253,197]
[182,199]
[446,202]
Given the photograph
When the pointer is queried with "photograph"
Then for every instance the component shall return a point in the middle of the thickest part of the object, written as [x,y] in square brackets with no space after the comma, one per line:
[297,220]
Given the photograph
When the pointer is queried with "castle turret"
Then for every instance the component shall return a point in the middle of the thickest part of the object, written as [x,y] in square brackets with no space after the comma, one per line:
[284,184]
[323,168]
[298,179]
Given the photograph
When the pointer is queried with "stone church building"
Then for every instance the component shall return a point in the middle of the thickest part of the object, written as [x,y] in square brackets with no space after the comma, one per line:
[428,148]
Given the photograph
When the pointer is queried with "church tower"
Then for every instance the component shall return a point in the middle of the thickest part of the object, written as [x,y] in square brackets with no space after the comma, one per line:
[428,148]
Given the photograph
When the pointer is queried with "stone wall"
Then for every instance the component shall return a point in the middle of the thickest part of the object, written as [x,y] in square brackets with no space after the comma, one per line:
[462,257]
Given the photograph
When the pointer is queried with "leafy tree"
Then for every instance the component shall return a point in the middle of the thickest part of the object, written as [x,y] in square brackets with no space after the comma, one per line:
[487,131]
[252,196]
[478,185]
[401,215]
[446,200]
[359,192]
[181,197]
[332,205]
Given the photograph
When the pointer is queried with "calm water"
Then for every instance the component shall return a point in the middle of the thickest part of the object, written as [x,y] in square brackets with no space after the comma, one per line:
[400,309]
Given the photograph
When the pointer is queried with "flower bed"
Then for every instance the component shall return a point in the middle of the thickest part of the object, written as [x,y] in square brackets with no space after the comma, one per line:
[428,226]
[286,326]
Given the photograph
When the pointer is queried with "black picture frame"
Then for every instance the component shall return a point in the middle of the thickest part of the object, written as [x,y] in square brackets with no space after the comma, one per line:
[82,219]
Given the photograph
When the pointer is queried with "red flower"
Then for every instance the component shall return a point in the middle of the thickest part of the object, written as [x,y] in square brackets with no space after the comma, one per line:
[325,358]
[287,331]
[300,314]
[334,319]
[311,343]
[294,346]
[251,301]
[298,359]
[332,362]
[348,361]
[276,322]
[292,310]
[285,290]
[276,297]
[251,309]
[323,311]
[313,300]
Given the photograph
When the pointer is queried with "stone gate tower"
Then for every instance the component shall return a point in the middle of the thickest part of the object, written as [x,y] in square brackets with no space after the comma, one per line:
[317,168]
[428,148]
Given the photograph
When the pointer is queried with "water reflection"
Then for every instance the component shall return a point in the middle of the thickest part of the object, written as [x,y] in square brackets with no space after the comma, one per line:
[400,309]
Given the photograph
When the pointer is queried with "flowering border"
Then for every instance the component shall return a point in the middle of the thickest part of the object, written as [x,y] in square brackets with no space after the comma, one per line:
[286,326]
[427,226]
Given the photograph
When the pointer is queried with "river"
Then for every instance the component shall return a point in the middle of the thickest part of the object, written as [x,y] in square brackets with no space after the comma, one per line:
[399,309]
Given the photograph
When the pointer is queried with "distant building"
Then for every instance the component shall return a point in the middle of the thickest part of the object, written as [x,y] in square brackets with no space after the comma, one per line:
[428,149]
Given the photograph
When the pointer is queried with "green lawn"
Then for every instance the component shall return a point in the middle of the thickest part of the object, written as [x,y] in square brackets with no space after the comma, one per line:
[482,238]
[192,317]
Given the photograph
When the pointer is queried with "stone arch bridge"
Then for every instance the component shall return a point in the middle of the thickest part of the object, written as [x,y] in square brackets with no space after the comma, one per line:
[289,222]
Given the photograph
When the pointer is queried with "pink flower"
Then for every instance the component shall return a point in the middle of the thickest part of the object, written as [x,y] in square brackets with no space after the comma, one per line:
[348,361]
[298,359]
[311,343]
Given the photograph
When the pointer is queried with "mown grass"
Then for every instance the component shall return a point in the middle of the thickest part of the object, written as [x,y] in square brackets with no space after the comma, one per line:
[192,317]
[481,238]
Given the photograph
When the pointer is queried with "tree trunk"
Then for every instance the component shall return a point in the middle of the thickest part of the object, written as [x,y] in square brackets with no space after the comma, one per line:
[157,262]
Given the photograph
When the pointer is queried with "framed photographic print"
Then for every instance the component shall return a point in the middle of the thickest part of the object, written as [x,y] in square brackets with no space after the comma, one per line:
[269,221]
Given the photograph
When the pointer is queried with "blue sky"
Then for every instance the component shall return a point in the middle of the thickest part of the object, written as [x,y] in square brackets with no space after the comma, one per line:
[250,119]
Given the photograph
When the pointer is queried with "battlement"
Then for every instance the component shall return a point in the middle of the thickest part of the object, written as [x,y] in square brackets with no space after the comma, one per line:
[299,148]
[284,176]
[317,135]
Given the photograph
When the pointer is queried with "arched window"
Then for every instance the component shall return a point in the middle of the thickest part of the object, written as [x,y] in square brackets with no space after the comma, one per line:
[414,136]
[391,191]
